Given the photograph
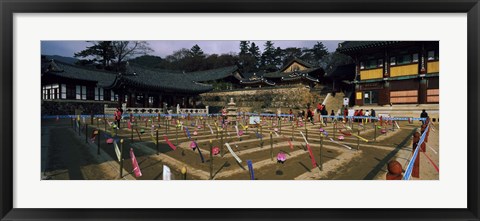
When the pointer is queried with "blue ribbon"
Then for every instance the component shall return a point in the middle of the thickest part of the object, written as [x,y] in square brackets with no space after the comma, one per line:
[250,168]
[408,171]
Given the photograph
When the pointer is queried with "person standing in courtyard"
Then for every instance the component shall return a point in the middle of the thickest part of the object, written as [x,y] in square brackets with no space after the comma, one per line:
[345,114]
[424,114]
[367,114]
[333,116]
[310,115]
[319,110]
[117,116]
[372,113]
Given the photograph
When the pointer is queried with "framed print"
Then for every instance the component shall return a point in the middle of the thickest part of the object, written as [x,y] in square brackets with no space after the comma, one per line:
[239,110]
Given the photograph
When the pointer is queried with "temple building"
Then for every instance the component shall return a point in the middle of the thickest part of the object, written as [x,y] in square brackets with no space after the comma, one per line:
[394,72]
[67,87]
[295,71]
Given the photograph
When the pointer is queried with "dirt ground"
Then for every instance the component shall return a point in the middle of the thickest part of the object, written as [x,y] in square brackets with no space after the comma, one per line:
[67,154]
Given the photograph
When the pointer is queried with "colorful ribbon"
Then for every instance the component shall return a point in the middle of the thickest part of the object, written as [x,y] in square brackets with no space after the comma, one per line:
[233,153]
[136,168]
[250,168]
[170,144]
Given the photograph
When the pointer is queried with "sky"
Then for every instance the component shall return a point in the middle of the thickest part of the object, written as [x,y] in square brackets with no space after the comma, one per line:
[164,48]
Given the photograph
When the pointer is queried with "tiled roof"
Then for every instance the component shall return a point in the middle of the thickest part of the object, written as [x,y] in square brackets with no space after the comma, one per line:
[213,74]
[304,63]
[350,46]
[162,80]
[172,81]
[293,77]
[75,72]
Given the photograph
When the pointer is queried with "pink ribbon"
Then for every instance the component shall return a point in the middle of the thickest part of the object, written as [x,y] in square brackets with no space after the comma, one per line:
[136,168]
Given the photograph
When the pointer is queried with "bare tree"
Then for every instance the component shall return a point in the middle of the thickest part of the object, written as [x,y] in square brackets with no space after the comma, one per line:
[127,49]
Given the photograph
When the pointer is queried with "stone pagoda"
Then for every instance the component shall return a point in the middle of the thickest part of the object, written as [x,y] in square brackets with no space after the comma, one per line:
[232,111]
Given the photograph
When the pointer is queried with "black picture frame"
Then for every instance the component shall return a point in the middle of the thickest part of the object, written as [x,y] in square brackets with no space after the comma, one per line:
[9,7]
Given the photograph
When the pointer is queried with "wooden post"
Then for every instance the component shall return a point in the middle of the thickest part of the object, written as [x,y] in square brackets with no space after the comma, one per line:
[121,158]
[105,122]
[176,134]
[293,128]
[375,135]
[271,146]
[334,130]
[79,126]
[306,133]
[131,131]
[221,143]
[280,126]
[98,147]
[320,157]
[358,139]
[156,144]
[98,139]
[261,136]
[211,160]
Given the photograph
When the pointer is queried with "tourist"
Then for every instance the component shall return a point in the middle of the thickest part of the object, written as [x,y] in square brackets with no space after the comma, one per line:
[333,115]
[372,113]
[310,115]
[117,116]
[324,113]
[345,114]
[367,114]
[319,110]
[291,114]
[423,115]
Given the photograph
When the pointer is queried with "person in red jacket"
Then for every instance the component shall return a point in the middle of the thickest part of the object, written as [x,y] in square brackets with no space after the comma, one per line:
[118,116]
[345,114]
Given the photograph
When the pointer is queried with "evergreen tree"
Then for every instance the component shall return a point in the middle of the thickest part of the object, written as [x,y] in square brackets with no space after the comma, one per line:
[101,51]
[254,52]
[196,51]
[269,59]
[244,47]
[319,51]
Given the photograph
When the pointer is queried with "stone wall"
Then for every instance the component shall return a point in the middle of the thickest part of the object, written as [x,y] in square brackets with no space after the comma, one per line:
[67,107]
[264,99]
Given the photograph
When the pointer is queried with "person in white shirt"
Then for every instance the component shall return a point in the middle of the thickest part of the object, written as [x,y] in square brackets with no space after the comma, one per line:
[367,114]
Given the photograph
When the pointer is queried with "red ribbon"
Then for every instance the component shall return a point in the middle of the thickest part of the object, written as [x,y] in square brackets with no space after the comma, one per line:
[170,144]
[314,163]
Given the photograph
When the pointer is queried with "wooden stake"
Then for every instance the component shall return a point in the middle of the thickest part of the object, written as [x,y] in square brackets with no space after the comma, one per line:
[334,130]
[131,131]
[221,143]
[98,139]
[271,146]
[121,158]
[176,134]
[98,147]
[358,139]
[211,160]
[156,144]
[321,146]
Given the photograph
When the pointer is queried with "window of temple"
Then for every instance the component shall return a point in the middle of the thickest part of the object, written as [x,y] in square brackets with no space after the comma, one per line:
[51,92]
